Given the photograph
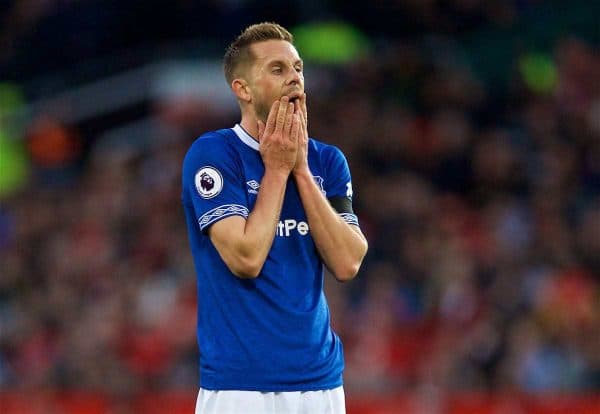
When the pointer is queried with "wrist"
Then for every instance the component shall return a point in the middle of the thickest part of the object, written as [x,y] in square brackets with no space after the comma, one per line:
[302,171]
[277,174]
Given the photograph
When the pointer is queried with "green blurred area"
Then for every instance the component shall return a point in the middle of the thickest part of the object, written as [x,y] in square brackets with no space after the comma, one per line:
[330,42]
[14,164]
[539,73]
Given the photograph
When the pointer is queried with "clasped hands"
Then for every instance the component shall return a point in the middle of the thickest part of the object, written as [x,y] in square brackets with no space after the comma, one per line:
[283,141]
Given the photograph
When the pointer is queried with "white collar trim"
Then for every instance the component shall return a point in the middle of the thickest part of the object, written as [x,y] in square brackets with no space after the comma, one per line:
[245,137]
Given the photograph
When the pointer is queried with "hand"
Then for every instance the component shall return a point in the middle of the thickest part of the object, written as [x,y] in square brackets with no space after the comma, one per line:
[278,139]
[302,158]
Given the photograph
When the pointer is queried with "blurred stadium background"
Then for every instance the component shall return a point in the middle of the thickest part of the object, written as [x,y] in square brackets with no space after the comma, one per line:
[472,129]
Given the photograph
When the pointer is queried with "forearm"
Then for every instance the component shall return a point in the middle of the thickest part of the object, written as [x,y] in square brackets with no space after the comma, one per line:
[244,244]
[261,224]
[341,245]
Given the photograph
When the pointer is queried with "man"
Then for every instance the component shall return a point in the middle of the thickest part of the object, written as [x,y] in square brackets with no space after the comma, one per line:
[267,208]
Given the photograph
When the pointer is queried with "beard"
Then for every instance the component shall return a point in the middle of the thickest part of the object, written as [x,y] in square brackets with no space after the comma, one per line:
[262,108]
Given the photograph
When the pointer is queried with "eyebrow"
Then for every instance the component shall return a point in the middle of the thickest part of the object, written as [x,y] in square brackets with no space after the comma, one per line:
[281,62]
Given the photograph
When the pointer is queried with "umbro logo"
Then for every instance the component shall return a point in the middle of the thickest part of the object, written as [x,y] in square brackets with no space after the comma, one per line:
[253,186]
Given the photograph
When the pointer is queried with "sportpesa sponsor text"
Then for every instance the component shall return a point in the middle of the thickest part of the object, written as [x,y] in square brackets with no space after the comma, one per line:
[288,227]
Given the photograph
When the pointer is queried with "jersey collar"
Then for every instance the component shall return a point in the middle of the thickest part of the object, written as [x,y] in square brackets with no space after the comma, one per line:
[245,137]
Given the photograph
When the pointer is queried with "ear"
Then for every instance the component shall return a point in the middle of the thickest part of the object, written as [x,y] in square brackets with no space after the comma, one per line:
[241,89]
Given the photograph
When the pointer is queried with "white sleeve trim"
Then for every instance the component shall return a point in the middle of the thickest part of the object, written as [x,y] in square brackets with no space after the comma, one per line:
[349,218]
[221,212]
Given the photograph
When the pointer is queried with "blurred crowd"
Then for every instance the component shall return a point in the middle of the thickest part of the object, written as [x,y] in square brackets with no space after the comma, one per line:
[483,214]
[54,35]
[481,206]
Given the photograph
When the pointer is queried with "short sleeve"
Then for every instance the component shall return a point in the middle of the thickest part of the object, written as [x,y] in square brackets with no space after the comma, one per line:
[338,181]
[211,180]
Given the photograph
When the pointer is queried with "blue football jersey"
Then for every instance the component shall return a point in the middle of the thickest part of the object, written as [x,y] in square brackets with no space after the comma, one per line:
[271,333]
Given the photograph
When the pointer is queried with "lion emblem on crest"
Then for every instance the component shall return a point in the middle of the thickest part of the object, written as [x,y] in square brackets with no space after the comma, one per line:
[206,182]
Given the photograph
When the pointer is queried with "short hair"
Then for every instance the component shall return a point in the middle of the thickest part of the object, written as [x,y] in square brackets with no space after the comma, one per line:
[238,53]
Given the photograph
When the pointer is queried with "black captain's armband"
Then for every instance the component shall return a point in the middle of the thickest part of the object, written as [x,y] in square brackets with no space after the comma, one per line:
[341,204]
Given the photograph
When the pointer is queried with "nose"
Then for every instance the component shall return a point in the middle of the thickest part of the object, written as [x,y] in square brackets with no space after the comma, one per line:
[295,78]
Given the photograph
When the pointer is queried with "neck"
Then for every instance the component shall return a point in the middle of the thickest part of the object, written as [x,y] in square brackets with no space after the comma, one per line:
[250,125]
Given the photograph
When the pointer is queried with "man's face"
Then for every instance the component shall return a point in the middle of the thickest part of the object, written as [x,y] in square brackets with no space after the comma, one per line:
[275,72]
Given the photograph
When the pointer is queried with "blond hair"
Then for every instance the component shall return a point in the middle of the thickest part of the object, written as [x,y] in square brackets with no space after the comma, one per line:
[239,56]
